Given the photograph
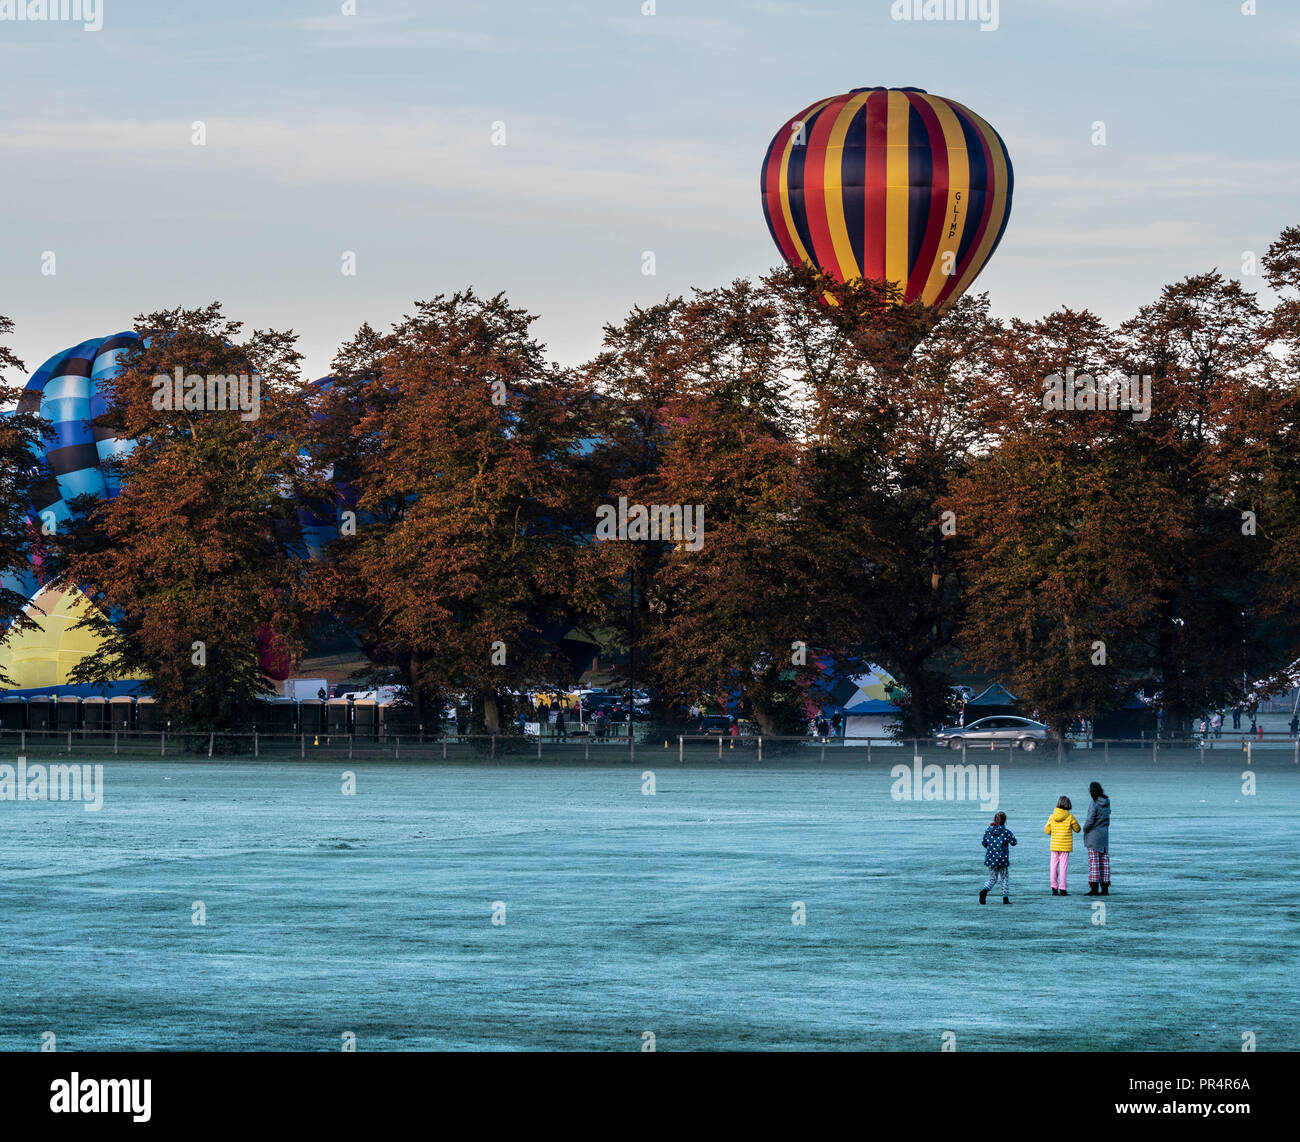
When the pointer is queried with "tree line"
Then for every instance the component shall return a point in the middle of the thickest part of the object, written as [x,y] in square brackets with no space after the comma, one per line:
[879,483]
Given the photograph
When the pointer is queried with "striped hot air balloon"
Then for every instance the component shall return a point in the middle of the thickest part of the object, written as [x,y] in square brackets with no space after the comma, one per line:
[65,391]
[892,184]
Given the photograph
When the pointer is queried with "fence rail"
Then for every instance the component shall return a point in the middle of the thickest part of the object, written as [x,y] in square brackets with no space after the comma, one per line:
[490,747]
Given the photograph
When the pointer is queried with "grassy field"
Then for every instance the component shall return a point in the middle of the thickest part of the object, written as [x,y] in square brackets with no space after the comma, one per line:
[627,912]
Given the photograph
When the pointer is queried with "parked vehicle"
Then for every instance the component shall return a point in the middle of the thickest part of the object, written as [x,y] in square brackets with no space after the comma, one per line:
[715,725]
[997,731]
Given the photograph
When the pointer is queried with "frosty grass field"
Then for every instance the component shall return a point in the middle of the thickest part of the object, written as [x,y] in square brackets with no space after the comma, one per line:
[627,913]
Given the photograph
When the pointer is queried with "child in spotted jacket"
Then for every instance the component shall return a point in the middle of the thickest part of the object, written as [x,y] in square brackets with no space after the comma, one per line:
[996,839]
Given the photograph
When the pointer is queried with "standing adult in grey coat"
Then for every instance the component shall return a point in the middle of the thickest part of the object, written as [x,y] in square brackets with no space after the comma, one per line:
[1096,839]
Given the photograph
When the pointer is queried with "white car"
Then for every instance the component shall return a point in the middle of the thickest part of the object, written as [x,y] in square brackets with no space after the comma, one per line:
[1000,730]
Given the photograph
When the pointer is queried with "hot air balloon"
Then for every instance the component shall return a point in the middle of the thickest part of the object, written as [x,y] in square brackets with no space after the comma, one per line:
[892,184]
[66,392]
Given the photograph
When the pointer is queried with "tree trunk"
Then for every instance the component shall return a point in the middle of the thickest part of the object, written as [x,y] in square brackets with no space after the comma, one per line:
[763,716]
[926,709]
[417,699]
[491,713]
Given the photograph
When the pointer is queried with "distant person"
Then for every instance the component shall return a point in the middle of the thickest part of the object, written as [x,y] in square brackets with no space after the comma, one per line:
[998,859]
[321,696]
[1259,733]
[1205,727]
[1216,723]
[1236,716]
[523,722]
[735,728]
[1060,825]
[836,722]
[561,729]
[1096,839]
[1295,724]
[823,726]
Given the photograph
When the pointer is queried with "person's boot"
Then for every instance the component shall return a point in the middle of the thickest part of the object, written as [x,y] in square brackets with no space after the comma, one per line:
[1006,900]
[1064,893]
[1093,889]
[1056,892]
[983,894]
[1105,887]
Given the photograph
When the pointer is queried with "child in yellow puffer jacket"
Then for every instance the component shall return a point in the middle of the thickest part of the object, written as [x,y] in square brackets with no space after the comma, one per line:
[1060,827]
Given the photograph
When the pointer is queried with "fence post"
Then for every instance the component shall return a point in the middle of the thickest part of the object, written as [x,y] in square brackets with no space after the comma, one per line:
[69,741]
[494,747]
[823,749]
[22,744]
[539,747]
[1154,747]
[349,747]
[1295,760]
[211,737]
[760,747]
[302,745]
[397,748]
[115,741]
[681,760]
[162,744]
[256,753]
[1105,745]
[444,748]
[1249,751]
[1060,751]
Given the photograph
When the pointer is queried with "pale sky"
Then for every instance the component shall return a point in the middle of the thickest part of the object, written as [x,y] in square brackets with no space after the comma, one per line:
[625,133]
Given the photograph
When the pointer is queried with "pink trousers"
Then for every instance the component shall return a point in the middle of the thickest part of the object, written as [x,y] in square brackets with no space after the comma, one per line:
[1060,867]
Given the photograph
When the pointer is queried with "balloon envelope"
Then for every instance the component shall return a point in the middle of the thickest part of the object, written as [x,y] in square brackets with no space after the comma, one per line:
[891,184]
[65,390]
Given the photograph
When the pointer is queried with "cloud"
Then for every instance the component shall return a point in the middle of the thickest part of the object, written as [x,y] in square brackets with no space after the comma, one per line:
[545,169]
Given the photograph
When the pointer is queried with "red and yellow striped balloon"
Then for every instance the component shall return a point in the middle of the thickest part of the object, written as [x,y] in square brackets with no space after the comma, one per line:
[889,183]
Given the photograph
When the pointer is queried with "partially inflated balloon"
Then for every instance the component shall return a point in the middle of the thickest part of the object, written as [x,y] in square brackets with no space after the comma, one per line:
[65,391]
[890,184]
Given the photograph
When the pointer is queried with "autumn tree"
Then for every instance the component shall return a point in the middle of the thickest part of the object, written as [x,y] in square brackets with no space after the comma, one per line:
[1055,521]
[892,389]
[22,432]
[1204,343]
[460,445]
[195,566]
[1113,551]
[700,419]
[1266,445]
